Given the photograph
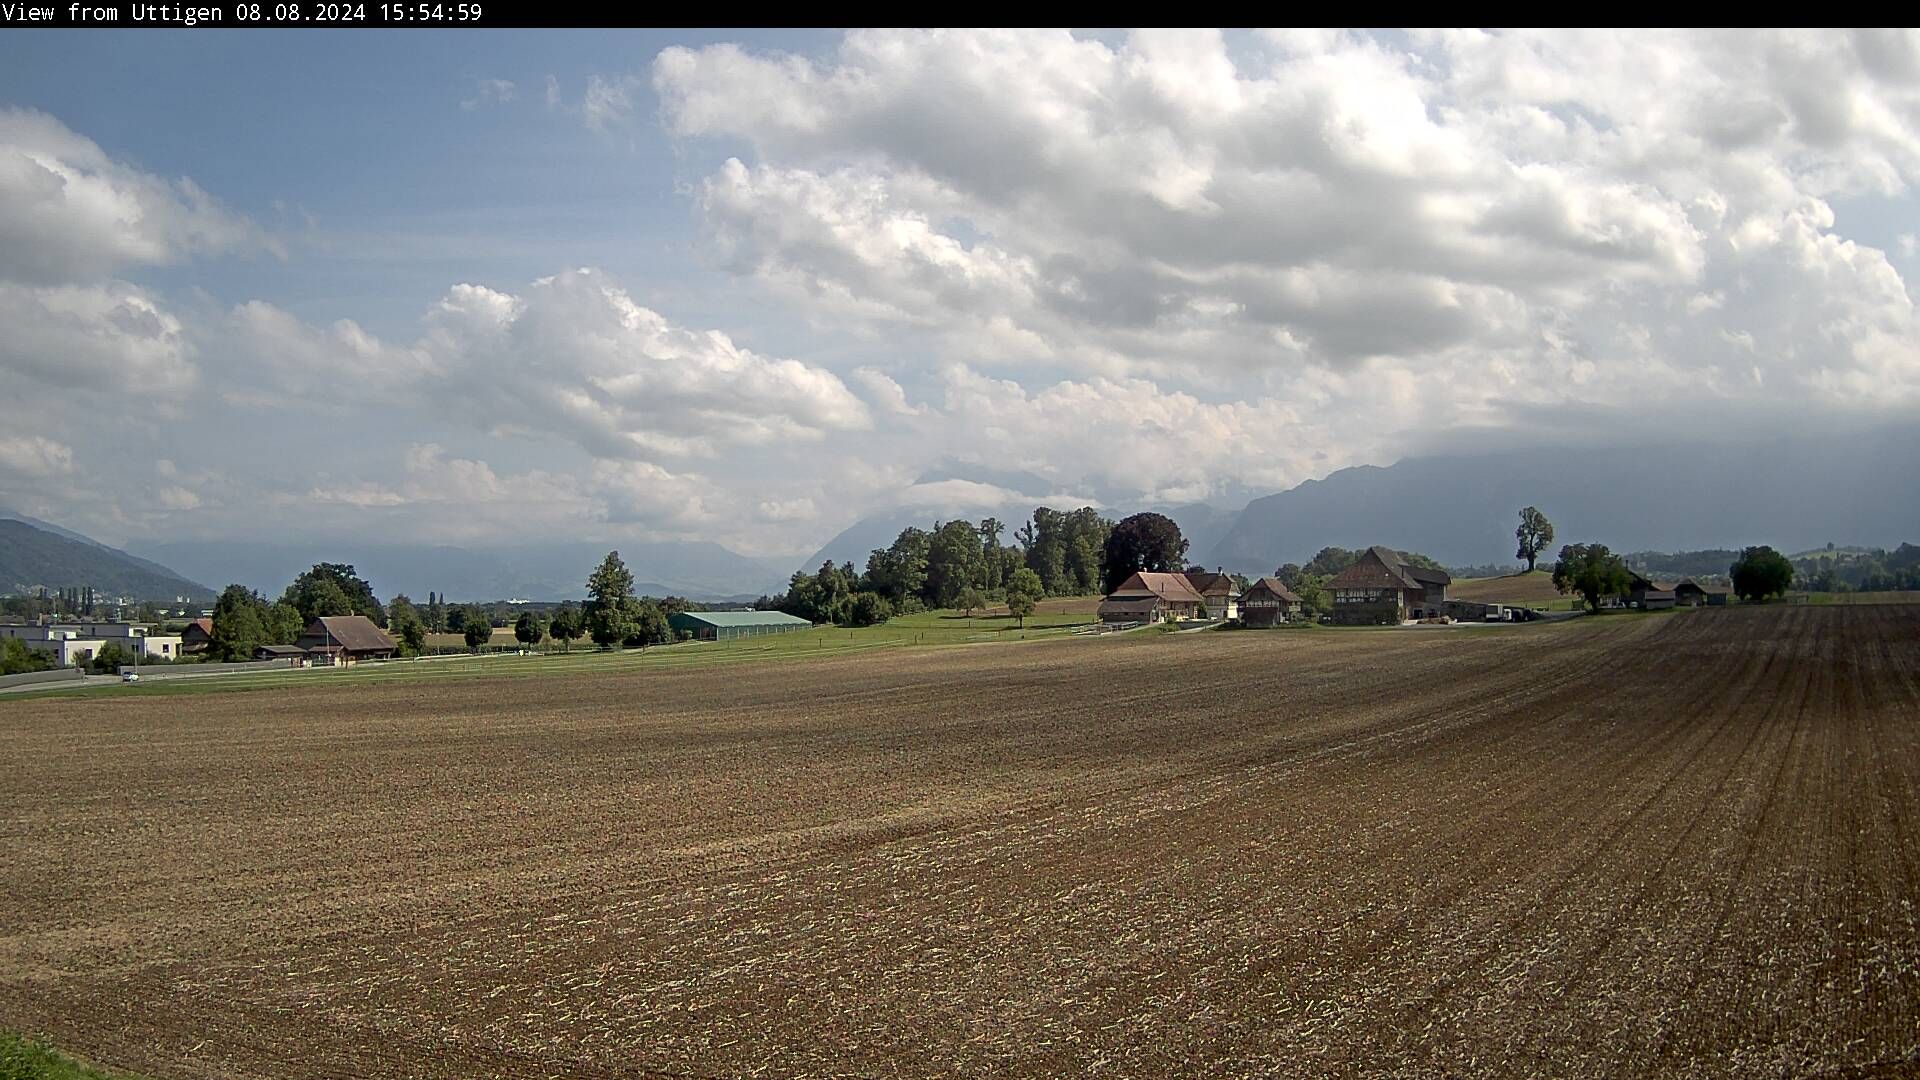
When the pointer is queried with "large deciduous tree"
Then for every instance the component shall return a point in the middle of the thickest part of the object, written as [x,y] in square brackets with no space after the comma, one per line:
[528,629]
[350,594]
[899,572]
[1592,571]
[1535,535]
[409,629]
[566,626]
[1146,541]
[1023,594]
[283,623]
[476,627]
[1315,599]
[971,601]
[1760,573]
[239,624]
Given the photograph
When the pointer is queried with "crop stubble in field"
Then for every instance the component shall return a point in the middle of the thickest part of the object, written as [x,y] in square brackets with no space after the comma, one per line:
[1652,846]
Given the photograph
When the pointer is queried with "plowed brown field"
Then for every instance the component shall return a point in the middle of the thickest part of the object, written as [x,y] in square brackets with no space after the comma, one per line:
[1644,846]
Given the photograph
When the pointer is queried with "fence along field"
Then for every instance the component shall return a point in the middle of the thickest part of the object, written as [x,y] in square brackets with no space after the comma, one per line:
[1638,847]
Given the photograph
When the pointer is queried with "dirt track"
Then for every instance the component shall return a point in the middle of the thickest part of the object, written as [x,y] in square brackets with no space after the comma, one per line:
[1673,845]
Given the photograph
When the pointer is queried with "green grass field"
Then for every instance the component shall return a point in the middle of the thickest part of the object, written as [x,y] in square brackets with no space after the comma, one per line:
[1056,619]
[25,1059]
[1534,590]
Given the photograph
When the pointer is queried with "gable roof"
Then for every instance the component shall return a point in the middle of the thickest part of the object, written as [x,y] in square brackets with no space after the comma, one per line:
[204,625]
[1373,570]
[1207,581]
[1271,585]
[354,633]
[1423,575]
[736,618]
[1173,588]
[1383,568]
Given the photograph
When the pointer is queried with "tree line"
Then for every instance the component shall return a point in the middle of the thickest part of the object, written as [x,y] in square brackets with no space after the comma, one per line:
[244,620]
[1759,573]
[963,565]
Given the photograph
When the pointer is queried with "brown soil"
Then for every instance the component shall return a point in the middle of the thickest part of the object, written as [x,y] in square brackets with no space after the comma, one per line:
[1629,847]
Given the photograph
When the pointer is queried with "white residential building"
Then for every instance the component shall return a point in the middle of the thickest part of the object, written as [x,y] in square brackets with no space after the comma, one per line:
[77,643]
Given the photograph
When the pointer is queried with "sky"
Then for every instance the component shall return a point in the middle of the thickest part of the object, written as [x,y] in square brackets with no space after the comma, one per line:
[492,288]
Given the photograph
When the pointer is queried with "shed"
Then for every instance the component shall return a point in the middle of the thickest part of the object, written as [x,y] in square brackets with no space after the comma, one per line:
[1648,595]
[727,625]
[1130,609]
[1693,593]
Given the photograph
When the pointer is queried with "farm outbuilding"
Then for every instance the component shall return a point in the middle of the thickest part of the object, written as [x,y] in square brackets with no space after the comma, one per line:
[1691,592]
[345,639]
[1267,603]
[1165,596]
[1648,595]
[727,625]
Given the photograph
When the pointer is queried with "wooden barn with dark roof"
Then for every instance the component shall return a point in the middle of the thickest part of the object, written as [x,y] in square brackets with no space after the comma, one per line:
[1268,602]
[197,636]
[1694,594]
[344,639]
[1383,589]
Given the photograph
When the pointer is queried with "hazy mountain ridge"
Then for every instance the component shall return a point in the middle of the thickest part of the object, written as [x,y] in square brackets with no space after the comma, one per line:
[1794,494]
[33,556]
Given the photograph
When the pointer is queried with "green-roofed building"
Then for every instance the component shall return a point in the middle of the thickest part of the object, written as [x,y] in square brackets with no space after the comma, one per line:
[727,625]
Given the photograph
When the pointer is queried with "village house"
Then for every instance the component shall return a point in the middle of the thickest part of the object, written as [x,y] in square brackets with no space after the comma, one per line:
[1151,597]
[1382,589]
[345,639]
[197,636]
[1216,592]
[1268,602]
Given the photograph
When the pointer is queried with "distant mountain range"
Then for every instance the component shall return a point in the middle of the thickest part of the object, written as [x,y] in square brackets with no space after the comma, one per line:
[36,553]
[1794,493]
[1791,493]
[706,572]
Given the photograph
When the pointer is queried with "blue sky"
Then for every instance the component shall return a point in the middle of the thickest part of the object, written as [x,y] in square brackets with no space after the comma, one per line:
[456,286]
[355,149]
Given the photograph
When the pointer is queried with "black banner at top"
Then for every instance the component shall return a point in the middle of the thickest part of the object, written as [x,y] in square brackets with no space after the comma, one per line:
[284,14]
